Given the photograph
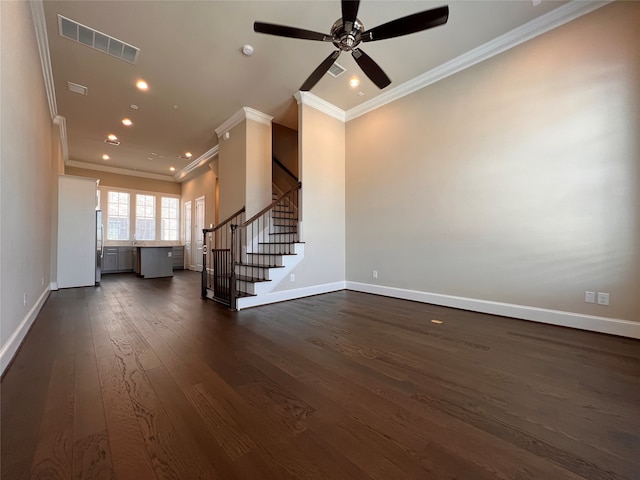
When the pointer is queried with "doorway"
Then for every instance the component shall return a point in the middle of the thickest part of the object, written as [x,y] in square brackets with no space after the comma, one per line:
[199,237]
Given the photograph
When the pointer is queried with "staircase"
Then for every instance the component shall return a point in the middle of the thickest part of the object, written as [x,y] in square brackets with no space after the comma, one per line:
[258,254]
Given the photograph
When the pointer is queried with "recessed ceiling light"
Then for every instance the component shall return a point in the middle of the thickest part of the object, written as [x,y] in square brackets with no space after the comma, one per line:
[188,154]
[142,85]
[154,154]
[105,157]
[127,122]
[133,106]
[173,169]
[354,82]
[112,138]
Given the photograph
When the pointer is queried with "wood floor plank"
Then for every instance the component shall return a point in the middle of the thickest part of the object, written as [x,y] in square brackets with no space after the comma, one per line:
[142,379]
[129,455]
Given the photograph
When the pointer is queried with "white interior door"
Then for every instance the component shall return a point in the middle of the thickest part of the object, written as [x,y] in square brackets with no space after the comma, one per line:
[188,232]
[198,233]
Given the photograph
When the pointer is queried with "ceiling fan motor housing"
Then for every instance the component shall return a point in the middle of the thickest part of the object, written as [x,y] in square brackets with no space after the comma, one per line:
[346,40]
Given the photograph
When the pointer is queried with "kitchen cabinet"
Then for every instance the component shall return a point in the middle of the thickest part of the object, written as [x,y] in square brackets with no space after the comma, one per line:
[110,259]
[178,258]
[117,259]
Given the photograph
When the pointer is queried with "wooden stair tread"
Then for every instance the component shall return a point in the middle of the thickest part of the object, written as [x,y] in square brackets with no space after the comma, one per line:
[244,278]
[278,243]
[257,265]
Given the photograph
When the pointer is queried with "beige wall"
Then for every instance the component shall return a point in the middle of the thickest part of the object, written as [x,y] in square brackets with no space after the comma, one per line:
[131,182]
[258,170]
[322,226]
[514,181]
[285,149]
[232,171]
[202,186]
[26,178]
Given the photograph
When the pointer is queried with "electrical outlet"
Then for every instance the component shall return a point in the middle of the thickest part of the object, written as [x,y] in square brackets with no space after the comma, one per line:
[24,300]
[590,297]
[603,298]
[293,277]
[375,274]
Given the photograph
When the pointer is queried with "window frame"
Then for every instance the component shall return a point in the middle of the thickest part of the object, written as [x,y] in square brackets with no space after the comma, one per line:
[104,197]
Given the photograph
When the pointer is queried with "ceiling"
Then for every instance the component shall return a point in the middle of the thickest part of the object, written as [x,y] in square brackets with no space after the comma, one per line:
[190,55]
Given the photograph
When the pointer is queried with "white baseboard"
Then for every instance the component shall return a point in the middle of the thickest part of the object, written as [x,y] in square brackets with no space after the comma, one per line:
[284,295]
[12,345]
[623,328]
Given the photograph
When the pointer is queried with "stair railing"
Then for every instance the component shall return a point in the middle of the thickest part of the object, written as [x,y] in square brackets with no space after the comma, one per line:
[260,241]
[218,279]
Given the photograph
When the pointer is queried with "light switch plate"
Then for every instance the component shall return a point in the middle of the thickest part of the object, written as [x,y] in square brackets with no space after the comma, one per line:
[590,297]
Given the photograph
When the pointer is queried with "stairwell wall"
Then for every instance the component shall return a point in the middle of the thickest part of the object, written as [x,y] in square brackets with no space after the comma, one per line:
[321,143]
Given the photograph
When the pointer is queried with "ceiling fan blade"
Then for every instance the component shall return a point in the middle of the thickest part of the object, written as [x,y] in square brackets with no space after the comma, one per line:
[349,13]
[370,68]
[319,72]
[409,24]
[289,32]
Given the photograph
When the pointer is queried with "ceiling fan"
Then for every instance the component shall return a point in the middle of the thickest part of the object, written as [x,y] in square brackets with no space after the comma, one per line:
[348,32]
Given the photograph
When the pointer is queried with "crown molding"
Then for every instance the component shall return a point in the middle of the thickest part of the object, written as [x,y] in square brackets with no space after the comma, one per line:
[308,98]
[256,116]
[119,171]
[191,170]
[40,26]
[62,124]
[553,19]
[242,114]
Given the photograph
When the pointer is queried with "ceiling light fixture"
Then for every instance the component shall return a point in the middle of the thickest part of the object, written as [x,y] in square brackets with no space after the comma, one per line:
[111,137]
[133,106]
[354,82]
[188,154]
[142,85]
[105,157]
[173,169]
[247,50]
[127,122]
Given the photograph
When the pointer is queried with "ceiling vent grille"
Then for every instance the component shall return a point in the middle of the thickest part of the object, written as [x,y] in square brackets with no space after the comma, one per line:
[97,40]
[112,142]
[77,88]
[336,70]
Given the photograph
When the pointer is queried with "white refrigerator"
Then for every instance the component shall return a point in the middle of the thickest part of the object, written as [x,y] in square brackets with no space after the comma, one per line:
[77,232]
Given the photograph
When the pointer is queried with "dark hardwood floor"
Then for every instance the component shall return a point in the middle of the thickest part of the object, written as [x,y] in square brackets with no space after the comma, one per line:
[140,379]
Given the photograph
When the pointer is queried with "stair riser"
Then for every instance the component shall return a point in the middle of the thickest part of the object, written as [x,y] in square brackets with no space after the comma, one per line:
[284,229]
[283,213]
[275,248]
[291,237]
[248,287]
[265,258]
[252,271]
[281,222]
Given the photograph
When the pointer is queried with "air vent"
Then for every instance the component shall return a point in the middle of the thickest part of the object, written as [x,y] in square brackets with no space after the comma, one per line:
[77,88]
[336,70]
[112,142]
[97,40]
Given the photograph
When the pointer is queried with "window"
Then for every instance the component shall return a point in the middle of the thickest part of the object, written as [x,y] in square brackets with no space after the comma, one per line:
[118,216]
[169,219]
[145,217]
[139,215]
